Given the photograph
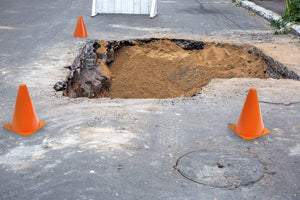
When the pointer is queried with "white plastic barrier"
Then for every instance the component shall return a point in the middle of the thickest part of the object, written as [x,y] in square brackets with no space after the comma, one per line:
[139,7]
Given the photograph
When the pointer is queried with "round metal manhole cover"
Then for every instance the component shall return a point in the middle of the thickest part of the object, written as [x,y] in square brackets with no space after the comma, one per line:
[220,168]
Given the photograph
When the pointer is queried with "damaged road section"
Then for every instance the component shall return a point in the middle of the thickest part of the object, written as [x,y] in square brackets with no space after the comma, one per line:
[162,68]
[89,75]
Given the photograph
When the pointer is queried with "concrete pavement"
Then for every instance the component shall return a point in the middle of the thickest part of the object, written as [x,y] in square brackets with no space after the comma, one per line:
[126,149]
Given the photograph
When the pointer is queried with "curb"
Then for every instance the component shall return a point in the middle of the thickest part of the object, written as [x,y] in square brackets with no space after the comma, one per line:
[267,14]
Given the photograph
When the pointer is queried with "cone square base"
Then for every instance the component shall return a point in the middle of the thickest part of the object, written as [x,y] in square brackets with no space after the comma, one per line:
[8,126]
[233,127]
[80,36]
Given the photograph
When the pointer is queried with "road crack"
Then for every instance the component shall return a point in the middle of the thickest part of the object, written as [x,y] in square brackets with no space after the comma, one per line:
[284,104]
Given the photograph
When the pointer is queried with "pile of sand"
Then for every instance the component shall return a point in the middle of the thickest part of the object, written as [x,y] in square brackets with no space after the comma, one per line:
[162,69]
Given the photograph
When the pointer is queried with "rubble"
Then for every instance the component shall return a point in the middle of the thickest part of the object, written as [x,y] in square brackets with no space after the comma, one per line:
[60,86]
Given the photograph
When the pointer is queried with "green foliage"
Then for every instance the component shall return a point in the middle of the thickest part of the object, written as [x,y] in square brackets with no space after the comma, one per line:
[292,14]
[277,24]
[238,3]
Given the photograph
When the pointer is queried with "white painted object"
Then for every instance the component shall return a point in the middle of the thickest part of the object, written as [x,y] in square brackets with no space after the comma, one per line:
[268,14]
[138,7]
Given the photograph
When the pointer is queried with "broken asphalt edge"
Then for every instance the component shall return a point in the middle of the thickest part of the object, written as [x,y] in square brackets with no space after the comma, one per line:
[266,14]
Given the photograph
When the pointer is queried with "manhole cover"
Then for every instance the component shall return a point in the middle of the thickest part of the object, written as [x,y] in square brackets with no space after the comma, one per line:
[220,168]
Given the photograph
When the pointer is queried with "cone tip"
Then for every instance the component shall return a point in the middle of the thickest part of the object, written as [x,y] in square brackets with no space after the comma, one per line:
[252,90]
[22,85]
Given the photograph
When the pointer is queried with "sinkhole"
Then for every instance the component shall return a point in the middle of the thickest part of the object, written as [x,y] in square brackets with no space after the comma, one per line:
[162,68]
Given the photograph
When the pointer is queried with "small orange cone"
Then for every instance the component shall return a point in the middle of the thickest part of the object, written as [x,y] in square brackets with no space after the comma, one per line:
[80,30]
[250,124]
[24,120]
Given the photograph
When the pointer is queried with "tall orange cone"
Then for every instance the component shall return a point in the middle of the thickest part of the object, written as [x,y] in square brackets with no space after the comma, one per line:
[250,124]
[80,30]
[24,120]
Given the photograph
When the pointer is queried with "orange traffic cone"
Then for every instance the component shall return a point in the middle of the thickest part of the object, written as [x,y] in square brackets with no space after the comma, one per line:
[250,124]
[80,30]
[24,120]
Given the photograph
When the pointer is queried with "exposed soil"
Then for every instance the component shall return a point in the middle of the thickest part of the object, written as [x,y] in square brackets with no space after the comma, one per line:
[288,54]
[162,69]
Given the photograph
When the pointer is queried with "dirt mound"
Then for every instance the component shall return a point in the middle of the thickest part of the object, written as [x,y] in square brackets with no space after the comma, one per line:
[162,69]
